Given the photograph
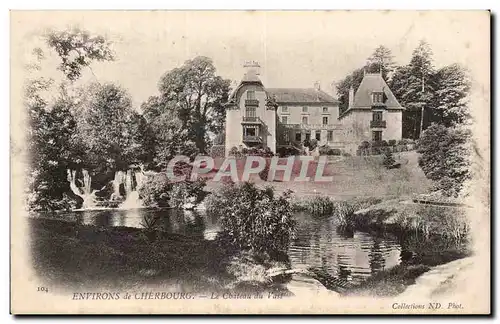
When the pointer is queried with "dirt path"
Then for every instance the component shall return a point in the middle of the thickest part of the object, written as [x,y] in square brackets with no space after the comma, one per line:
[444,279]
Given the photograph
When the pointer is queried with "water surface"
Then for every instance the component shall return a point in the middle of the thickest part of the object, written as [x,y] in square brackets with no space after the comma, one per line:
[351,256]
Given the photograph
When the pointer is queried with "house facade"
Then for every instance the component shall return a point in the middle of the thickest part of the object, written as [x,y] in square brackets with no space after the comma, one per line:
[373,113]
[274,117]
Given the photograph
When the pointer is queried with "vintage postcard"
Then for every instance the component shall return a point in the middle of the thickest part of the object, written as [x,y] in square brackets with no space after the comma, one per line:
[250,162]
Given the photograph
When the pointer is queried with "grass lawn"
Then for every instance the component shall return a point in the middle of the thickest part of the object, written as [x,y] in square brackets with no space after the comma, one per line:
[352,177]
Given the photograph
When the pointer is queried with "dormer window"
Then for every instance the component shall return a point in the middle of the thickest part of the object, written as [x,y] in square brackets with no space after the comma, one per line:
[378,97]
[250,95]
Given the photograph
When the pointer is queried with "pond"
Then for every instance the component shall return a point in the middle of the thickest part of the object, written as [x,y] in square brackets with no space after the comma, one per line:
[350,256]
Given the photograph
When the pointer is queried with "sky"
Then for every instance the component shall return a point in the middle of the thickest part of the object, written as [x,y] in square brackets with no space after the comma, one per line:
[294,49]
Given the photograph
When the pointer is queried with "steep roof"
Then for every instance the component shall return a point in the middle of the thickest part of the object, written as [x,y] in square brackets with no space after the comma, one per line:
[300,95]
[250,77]
[373,83]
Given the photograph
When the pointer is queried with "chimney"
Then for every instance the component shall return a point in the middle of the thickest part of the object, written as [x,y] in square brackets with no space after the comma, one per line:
[252,67]
[317,86]
[351,96]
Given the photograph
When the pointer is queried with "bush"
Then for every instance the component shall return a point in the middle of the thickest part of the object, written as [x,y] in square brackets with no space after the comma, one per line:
[326,150]
[388,159]
[335,152]
[365,145]
[444,157]
[392,142]
[319,206]
[263,175]
[254,219]
[286,151]
[234,152]
[154,191]
[218,151]
[187,192]
[159,191]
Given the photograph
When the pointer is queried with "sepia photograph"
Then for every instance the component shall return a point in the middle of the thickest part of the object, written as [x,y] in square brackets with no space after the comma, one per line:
[250,162]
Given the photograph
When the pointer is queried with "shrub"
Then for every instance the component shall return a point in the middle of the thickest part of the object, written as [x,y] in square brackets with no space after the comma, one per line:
[263,175]
[364,148]
[323,150]
[217,151]
[185,192]
[365,145]
[344,212]
[335,152]
[326,150]
[254,219]
[234,152]
[154,191]
[159,191]
[444,157]
[182,168]
[319,206]
[286,151]
[392,142]
[388,159]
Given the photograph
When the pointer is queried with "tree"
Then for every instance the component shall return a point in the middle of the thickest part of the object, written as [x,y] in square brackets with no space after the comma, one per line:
[444,157]
[418,93]
[452,88]
[52,132]
[109,127]
[352,80]
[398,85]
[196,94]
[382,61]
[169,136]
[50,147]
[77,48]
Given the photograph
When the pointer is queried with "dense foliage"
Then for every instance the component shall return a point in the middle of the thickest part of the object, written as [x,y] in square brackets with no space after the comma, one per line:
[254,219]
[445,157]
[159,191]
[194,95]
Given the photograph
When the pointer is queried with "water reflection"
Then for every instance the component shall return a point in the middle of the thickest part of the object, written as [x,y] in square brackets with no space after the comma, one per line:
[190,223]
[319,243]
[351,256]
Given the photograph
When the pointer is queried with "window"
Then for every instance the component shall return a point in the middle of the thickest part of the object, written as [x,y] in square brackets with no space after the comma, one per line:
[250,131]
[284,119]
[377,136]
[298,137]
[325,120]
[250,95]
[318,135]
[378,97]
[329,136]
[286,137]
[325,109]
[377,116]
[305,120]
[304,109]
[308,137]
[250,111]
[284,109]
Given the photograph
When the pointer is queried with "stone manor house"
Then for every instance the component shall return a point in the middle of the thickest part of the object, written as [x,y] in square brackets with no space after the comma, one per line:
[274,117]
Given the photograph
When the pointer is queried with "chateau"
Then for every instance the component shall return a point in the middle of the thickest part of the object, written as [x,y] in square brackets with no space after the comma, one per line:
[274,117]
